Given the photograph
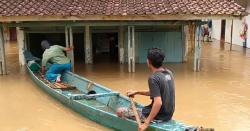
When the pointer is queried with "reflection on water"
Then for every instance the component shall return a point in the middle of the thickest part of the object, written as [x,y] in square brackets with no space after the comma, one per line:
[217,97]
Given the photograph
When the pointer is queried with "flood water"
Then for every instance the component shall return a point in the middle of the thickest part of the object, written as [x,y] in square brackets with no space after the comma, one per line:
[217,97]
[25,107]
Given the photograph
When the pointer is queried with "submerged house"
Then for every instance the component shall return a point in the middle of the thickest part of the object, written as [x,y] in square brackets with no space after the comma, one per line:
[229,30]
[124,29]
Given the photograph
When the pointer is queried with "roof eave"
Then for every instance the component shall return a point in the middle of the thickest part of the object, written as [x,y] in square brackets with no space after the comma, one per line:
[117,18]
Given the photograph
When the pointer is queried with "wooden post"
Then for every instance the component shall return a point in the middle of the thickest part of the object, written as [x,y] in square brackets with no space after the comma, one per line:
[67,37]
[121,44]
[6,32]
[71,44]
[185,38]
[192,37]
[3,69]
[88,46]
[131,49]
[197,50]
[231,42]
[21,45]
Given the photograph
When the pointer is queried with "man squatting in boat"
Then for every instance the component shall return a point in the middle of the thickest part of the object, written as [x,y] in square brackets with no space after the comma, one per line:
[56,56]
[161,91]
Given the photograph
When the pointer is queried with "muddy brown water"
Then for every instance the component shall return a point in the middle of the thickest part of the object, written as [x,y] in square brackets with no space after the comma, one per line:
[218,96]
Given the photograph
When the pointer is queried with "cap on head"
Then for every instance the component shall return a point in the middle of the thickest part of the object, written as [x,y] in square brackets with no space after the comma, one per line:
[45,44]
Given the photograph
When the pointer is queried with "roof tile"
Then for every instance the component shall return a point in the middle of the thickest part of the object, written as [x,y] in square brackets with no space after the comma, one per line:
[119,7]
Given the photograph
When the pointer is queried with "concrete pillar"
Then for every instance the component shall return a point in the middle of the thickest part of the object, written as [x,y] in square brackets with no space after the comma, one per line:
[3,68]
[88,46]
[21,45]
[131,49]
[197,50]
[121,44]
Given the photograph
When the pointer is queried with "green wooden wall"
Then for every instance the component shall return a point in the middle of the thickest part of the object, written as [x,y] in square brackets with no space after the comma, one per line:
[170,42]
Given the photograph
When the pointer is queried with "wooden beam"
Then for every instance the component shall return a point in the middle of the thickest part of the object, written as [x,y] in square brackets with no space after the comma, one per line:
[100,23]
[116,17]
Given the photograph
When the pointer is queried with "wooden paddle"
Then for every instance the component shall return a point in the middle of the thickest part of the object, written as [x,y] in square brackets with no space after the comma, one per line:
[137,117]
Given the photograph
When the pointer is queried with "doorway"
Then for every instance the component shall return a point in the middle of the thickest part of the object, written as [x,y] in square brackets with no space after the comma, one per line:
[105,47]
[223,32]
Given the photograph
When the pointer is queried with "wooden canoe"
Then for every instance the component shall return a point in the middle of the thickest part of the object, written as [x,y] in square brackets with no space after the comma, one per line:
[100,107]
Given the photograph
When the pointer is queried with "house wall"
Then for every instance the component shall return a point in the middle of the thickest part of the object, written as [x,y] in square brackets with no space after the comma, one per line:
[216,29]
[237,28]
[170,40]
[167,38]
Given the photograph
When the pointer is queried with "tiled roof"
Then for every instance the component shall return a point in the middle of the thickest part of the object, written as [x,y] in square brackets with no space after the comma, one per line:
[118,7]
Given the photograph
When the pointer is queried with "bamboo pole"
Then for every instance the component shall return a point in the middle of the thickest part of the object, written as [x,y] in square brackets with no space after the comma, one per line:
[137,117]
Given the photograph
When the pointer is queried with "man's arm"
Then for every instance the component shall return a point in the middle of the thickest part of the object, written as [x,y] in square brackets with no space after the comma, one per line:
[65,48]
[44,62]
[154,111]
[43,70]
[133,93]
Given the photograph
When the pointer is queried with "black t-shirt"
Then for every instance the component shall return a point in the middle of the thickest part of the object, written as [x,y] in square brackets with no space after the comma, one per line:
[162,84]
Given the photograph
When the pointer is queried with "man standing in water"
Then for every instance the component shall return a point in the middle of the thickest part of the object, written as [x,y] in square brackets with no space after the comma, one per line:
[161,91]
[56,56]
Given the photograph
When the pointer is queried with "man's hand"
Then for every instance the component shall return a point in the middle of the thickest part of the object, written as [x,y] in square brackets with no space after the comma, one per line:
[143,127]
[43,76]
[131,93]
[69,49]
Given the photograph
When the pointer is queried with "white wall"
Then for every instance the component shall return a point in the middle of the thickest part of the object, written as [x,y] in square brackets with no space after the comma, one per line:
[237,27]
[228,31]
[216,29]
